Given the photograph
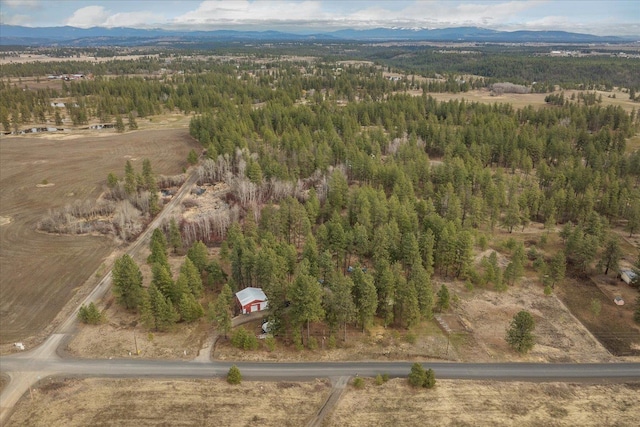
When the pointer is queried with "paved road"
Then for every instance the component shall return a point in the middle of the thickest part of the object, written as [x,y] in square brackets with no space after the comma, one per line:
[308,370]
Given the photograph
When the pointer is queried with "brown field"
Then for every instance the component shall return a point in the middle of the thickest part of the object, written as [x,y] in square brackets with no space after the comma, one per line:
[488,403]
[26,58]
[93,401]
[41,272]
[613,326]
[127,402]
[533,99]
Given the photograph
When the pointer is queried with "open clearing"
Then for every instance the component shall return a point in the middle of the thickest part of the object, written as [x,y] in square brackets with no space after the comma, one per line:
[42,272]
[127,402]
[533,99]
[114,402]
[488,403]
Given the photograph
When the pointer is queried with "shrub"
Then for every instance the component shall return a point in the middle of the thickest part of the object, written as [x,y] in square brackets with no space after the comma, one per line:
[510,244]
[417,375]
[539,264]
[430,379]
[379,379]
[543,241]
[90,315]
[468,285]
[313,343]
[270,342]
[243,339]
[332,341]
[410,337]
[385,377]
[358,382]
[234,376]
[482,242]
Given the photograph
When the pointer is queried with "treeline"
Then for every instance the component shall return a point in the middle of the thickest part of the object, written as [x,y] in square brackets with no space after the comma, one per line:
[145,65]
[587,72]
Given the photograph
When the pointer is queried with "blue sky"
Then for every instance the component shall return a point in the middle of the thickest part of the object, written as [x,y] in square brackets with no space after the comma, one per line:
[594,17]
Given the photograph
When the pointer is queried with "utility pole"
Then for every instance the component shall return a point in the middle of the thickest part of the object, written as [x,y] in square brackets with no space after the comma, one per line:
[136,342]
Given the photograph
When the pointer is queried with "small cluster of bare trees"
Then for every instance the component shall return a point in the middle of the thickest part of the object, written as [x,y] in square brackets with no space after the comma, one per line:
[171,181]
[231,170]
[127,220]
[79,217]
[500,88]
[209,228]
[122,212]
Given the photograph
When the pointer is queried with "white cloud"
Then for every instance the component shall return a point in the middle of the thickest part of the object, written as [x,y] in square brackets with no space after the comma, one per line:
[133,19]
[421,13]
[98,16]
[15,19]
[86,17]
[229,12]
[14,4]
[441,14]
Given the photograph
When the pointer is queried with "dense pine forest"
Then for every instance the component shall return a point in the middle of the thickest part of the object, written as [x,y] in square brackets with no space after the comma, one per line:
[350,193]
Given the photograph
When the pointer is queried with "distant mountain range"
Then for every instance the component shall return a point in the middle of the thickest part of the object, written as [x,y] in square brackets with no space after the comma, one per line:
[99,36]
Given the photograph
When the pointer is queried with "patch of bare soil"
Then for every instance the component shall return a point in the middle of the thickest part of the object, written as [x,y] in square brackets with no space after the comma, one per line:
[127,402]
[471,403]
[613,325]
[560,337]
[118,338]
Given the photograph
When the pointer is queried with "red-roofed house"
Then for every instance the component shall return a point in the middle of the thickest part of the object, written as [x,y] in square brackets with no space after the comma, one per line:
[252,300]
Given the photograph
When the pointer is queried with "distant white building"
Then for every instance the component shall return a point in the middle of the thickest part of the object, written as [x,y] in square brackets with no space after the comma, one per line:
[252,300]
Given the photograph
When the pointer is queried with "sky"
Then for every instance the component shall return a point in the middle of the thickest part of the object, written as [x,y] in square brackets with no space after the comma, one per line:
[608,17]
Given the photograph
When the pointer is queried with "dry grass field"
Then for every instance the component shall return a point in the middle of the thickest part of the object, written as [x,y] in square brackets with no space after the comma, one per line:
[488,403]
[128,402]
[125,402]
[41,272]
[534,99]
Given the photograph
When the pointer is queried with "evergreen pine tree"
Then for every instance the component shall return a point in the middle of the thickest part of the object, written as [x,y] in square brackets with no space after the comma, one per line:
[519,335]
[175,237]
[127,282]
[220,310]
